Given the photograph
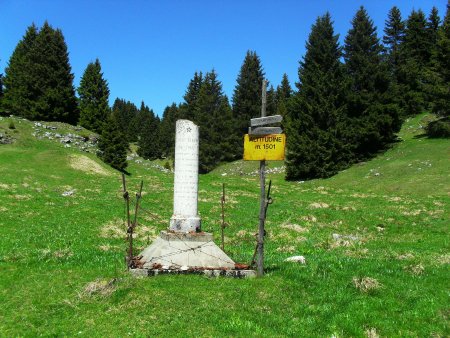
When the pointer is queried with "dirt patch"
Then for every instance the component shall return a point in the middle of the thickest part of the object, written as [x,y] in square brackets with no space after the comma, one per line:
[286,248]
[309,218]
[348,208]
[415,269]
[99,287]
[107,247]
[242,233]
[412,213]
[444,259]
[113,229]
[405,256]
[372,333]
[22,197]
[146,231]
[84,163]
[294,227]
[366,284]
[64,253]
[318,205]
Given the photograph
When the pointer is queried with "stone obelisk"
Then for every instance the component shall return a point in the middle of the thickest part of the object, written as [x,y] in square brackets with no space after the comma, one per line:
[185,191]
[184,246]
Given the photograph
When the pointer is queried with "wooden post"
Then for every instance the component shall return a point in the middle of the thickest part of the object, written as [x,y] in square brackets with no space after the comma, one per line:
[262,180]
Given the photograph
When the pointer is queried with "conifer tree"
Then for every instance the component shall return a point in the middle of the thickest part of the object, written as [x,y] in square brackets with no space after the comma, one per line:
[282,96]
[189,107]
[52,80]
[18,95]
[415,54]
[1,89]
[167,131]
[374,116]
[125,113]
[271,101]
[432,27]
[316,112]
[441,68]
[247,96]
[93,98]
[113,145]
[38,81]
[149,141]
[214,117]
[394,34]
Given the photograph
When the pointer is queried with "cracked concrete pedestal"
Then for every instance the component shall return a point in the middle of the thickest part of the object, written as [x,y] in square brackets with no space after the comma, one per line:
[184,246]
[173,250]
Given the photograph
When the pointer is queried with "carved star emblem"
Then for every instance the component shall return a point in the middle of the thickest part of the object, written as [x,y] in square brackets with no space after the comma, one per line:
[188,129]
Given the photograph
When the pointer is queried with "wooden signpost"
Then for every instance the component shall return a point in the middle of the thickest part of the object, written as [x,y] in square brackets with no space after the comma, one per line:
[263,143]
[265,120]
[264,130]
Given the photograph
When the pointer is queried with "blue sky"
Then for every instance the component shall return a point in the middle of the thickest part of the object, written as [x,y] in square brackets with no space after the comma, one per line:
[149,50]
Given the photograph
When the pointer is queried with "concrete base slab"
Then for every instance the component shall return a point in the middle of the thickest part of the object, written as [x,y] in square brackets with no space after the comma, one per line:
[184,251]
[209,273]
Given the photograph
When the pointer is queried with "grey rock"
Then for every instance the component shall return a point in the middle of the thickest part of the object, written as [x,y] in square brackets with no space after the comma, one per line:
[296,259]
[68,193]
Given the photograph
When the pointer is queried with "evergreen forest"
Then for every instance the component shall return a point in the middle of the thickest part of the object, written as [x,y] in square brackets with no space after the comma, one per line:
[347,104]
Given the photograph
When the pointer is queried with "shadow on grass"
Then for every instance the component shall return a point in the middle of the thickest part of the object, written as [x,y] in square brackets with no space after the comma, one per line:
[420,136]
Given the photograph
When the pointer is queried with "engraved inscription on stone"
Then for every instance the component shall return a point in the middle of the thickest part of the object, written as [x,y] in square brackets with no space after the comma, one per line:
[185,218]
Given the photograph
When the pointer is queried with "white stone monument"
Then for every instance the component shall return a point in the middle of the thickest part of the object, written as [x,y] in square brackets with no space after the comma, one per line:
[184,246]
[185,190]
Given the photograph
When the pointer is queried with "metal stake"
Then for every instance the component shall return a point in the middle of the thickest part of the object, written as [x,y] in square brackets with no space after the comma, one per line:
[262,181]
[126,196]
[222,200]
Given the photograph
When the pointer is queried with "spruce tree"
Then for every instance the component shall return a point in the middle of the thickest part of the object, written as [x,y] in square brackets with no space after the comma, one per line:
[316,112]
[18,95]
[247,96]
[149,141]
[113,145]
[214,117]
[432,27]
[167,131]
[189,107]
[93,98]
[126,113]
[441,68]
[415,54]
[394,34]
[52,80]
[1,89]
[271,101]
[282,96]
[371,107]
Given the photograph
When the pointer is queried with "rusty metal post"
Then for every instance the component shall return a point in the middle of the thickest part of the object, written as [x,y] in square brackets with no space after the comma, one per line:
[133,225]
[262,181]
[126,196]
[223,216]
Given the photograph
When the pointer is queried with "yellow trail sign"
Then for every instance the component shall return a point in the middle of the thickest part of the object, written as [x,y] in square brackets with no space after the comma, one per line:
[264,147]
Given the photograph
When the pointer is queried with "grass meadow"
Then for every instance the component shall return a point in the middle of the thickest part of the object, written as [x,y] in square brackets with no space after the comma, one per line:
[375,238]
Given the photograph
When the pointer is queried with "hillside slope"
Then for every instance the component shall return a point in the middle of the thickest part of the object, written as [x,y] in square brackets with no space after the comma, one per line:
[375,239]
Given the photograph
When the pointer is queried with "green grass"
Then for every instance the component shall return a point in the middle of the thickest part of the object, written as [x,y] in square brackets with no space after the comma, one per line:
[62,269]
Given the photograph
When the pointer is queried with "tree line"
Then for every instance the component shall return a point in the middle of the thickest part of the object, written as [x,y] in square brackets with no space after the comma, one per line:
[348,103]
